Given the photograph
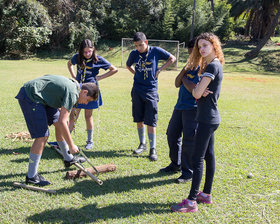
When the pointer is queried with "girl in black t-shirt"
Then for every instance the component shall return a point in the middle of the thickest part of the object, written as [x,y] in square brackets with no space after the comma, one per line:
[207,54]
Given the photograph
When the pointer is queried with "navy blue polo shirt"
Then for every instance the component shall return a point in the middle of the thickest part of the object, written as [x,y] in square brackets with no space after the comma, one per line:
[146,66]
[92,69]
[186,101]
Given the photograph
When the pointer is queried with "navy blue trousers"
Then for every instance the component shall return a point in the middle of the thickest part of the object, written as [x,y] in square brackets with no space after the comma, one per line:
[203,150]
[181,149]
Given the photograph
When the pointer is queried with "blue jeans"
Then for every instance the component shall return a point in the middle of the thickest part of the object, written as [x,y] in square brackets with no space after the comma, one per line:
[180,151]
[204,150]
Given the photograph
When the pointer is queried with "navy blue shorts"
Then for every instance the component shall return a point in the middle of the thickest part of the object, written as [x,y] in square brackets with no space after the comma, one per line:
[144,108]
[92,104]
[37,116]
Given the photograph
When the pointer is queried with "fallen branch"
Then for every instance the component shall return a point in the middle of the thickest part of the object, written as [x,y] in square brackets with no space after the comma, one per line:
[73,174]
[22,136]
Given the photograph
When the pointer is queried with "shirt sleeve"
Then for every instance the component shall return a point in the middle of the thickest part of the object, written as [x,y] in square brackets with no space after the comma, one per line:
[130,59]
[104,64]
[162,54]
[69,100]
[74,59]
[210,71]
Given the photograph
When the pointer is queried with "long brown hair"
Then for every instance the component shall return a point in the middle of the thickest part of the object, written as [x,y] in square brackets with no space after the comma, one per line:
[196,59]
[81,59]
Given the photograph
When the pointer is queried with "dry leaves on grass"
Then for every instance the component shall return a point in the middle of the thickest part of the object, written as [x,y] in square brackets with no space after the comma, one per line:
[21,136]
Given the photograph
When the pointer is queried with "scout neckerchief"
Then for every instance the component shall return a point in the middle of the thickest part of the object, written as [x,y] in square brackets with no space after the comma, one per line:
[83,76]
[144,62]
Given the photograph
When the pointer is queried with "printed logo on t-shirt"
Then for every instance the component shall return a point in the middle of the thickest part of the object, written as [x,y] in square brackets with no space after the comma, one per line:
[190,76]
[141,66]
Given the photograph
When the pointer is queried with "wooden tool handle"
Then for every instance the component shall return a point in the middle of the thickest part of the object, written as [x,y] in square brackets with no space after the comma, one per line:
[97,180]
[33,188]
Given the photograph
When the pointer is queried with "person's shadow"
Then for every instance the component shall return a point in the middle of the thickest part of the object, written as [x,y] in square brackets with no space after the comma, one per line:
[94,213]
[89,188]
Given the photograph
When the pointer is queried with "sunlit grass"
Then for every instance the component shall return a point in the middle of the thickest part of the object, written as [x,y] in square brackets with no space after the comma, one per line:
[246,141]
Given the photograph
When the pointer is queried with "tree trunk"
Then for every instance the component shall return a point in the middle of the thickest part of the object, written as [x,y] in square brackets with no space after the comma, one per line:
[262,20]
[192,28]
[212,5]
[255,52]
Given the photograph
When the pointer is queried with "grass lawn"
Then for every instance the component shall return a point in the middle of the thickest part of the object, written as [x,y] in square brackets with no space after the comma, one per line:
[246,141]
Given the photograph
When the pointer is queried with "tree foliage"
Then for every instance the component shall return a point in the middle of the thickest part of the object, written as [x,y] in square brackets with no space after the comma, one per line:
[29,24]
[259,15]
[24,26]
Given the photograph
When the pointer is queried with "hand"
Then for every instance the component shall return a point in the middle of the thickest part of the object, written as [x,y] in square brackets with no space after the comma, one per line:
[158,71]
[74,149]
[207,92]
[98,78]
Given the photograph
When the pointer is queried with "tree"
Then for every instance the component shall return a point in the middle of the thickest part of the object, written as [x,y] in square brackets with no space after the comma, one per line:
[258,13]
[168,21]
[254,53]
[25,25]
[125,17]
[193,14]
[203,20]
[212,5]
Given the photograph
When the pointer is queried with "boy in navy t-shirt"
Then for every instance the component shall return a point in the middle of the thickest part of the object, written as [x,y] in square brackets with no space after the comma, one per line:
[144,91]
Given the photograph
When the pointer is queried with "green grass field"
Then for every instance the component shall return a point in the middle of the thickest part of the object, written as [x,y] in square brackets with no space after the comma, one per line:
[246,141]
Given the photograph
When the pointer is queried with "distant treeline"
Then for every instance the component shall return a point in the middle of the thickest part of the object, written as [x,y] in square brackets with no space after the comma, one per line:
[26,25]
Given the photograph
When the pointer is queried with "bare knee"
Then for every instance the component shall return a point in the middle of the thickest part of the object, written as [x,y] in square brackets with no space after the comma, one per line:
[42,139]
[88,114]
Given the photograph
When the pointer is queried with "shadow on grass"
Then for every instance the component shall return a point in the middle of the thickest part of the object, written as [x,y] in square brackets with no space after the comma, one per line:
[92,213]
[109,154]
[2,177]
[50,153]
[17,151]
[266,60]
[8,185]
[89,188]
[115,154]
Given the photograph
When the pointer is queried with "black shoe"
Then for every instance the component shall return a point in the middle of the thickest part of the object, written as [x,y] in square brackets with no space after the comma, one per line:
[182,179]
[141,148]
[76,159]
[53,145]
[37,180]
[153,154]
[170,169]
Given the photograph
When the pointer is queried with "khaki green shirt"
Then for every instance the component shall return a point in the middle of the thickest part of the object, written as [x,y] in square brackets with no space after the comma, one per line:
[53,90]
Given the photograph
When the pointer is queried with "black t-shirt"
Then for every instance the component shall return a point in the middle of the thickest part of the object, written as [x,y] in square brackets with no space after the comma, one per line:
[207,109]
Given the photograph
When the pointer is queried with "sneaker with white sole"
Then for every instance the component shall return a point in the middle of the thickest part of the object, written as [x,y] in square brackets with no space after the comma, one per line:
[37,180]
[153,154]
[89,145]
[171,168]
[204,198]
[141,148]
[185,206]
[76,159]
[183,179]
[53,145]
